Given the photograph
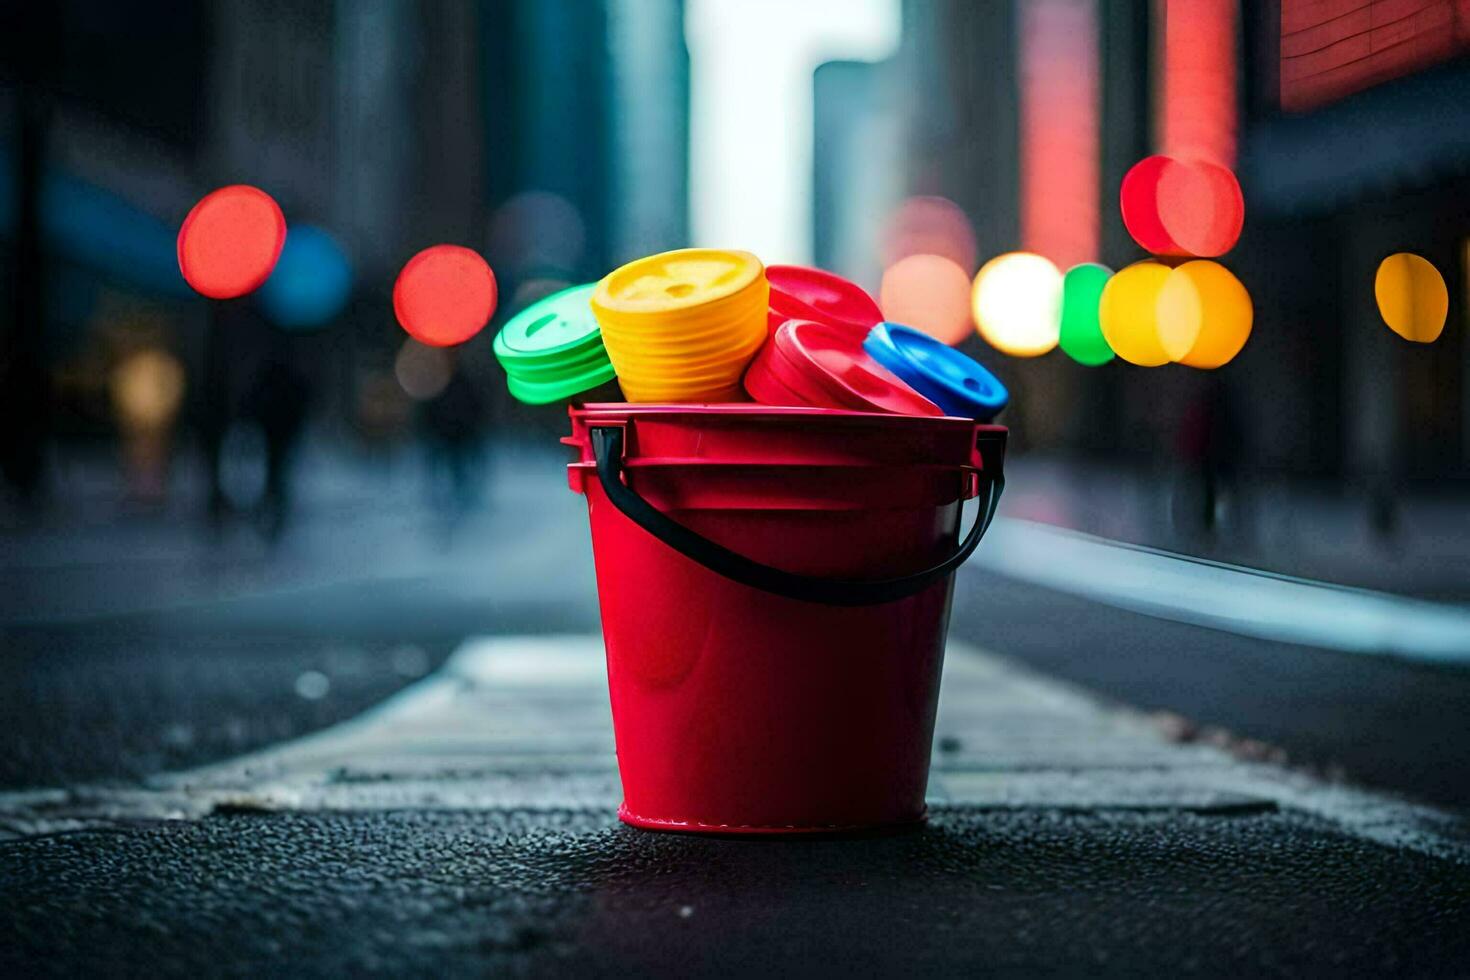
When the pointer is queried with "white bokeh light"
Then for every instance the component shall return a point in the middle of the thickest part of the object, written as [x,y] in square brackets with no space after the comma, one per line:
[1017,303]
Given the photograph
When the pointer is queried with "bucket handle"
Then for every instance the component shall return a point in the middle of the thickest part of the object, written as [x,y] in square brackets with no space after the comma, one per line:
[607,449]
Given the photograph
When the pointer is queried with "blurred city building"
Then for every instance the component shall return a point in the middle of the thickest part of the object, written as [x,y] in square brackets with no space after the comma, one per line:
[1363,155]
[562,137]
[549,134]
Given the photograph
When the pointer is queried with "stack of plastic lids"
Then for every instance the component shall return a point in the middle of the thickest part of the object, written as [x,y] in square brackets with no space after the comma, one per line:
[682,326]
[824,365]
[800,293]
[553,348]
[956,383]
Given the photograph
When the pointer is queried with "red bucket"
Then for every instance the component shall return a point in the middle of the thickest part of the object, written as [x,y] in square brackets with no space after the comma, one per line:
[775,587]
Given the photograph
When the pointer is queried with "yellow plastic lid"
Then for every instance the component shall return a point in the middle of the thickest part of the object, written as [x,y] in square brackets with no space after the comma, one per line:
[674,281]
[745,336]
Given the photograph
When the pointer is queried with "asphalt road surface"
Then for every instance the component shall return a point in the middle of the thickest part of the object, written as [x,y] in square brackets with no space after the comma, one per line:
[136,643]
[467,824]
[133,653]
[127,694]
[1011,894]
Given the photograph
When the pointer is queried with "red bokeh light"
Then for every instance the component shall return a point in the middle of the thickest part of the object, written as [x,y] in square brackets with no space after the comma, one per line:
[1139,199]
[1182,208]
[1196,115]
[1202,208]
[929,225]
[230,241]
[444,295]
[1059,130]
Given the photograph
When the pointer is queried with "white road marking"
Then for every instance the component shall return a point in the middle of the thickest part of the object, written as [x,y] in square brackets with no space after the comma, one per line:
[1227,597]
[523,723]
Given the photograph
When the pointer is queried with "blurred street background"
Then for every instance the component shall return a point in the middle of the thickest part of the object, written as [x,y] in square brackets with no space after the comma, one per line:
[223,529]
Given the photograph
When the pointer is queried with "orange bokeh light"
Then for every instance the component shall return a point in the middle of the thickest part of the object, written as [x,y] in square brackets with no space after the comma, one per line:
[444,295]
[929,293]
[230,241]
[1204,315]
[1412,297]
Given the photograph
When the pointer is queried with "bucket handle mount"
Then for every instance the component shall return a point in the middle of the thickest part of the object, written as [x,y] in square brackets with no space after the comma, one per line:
[607,449]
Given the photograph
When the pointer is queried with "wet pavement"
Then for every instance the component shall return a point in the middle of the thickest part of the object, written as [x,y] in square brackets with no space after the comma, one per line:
[468,824]
[1012,893]
[116,702]
[197,776]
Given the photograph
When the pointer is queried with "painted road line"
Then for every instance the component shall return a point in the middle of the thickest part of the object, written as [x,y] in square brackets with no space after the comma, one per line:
[523,723]
[511,704]
[1227,597]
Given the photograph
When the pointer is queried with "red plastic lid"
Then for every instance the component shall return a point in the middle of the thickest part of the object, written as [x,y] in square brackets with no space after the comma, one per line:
[778,376]
[831,357]
[762,384]
[798,292]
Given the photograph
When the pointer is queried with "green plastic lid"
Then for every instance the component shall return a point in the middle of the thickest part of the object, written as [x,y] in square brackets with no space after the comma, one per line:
[536,392]
[553,348]
[556,325]
[562,368]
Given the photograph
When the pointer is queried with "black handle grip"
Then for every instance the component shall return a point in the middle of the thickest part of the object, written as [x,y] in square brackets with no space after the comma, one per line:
[607,449]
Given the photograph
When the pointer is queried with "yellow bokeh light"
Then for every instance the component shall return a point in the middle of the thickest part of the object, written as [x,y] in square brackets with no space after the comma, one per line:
[1129,313]
[1412,297]
[1017,300]
[929,293]
[147,388]
[1204,315]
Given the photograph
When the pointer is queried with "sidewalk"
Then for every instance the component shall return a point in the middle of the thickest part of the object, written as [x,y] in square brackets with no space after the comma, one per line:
[467,824]
[1314,529]
[356,519]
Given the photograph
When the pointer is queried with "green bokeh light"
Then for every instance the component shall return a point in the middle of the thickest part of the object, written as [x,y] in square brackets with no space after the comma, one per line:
[1082,336]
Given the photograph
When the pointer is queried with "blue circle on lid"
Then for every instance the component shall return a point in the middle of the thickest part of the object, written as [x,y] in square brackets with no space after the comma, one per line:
[958,384]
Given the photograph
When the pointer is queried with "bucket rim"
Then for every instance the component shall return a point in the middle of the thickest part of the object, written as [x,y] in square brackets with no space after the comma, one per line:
[757,412]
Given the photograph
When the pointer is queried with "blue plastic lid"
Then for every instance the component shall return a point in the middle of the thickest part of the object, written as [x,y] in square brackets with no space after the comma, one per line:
[958,384]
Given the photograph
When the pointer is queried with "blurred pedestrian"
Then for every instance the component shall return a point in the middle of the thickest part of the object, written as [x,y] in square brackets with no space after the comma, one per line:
[455,426]
[1209,442]
[277,401]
